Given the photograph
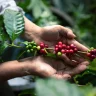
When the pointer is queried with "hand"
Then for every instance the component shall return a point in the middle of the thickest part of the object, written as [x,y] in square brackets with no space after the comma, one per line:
[48,67]
[51,35]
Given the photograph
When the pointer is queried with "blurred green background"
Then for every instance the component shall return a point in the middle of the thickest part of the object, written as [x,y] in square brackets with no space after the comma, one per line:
[79,15]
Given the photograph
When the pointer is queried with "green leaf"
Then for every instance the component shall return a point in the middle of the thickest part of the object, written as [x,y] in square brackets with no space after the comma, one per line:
[92,65]
[14,23]
[3,36]
[26,42]
[3,46]
[52,87]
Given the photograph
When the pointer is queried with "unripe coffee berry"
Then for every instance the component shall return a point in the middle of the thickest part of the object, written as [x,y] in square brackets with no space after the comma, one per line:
[28,51]
[38,47]
[59,54]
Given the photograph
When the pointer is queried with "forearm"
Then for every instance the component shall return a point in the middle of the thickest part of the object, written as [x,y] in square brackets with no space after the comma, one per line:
[14,69]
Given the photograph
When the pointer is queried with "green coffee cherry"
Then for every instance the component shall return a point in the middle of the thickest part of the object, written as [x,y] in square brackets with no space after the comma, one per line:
[27,47]
[32,42]
[59,54]
[31,50]
[30,45]
[34,47]
[28,51]
[38,47]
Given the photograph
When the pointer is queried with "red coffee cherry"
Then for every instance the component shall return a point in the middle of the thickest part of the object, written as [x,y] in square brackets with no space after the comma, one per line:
[67,47]
[60,43]
[60,46]
[63,51]
[71,51]
[42,45]
[46,46]
[56,49]
[56,46]
[88,54]
[63,46]
[72,46]
[42,51]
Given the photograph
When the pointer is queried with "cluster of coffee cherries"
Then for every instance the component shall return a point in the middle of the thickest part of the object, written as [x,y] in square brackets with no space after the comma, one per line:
[31,47]
[61,48]
[42,48]
[91,54]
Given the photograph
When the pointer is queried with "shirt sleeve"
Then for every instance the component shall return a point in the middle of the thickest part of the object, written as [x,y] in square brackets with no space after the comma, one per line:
[9,4]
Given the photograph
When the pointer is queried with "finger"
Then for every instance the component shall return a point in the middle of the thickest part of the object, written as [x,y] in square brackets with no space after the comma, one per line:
[78,45]
[80,68]
[67,60]
[68,32]
[65,76]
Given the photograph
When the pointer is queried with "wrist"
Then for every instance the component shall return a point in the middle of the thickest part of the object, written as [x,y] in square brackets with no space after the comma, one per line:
[31,30]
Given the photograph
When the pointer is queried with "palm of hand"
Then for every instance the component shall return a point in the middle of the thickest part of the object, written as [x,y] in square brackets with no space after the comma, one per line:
[48,67]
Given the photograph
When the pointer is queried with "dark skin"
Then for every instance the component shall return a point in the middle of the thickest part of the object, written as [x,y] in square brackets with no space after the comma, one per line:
[45,66]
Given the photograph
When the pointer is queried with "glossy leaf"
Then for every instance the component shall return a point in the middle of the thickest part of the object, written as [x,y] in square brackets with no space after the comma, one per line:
[52,87]
[14,23]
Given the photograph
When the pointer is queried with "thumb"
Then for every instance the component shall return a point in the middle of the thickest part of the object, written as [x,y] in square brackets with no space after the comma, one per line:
[66,32]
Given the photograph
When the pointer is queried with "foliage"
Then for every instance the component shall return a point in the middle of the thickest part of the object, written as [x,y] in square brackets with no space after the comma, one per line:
[16,25]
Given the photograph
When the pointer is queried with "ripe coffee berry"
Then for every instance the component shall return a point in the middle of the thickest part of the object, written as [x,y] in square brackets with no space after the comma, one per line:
[42,51]
[62,51]
[42,45]
[63,46]
[56,49]
[56,46]
[60,46]
[60,43]
[72,46]
[71,51]
[68,47]
[91,54]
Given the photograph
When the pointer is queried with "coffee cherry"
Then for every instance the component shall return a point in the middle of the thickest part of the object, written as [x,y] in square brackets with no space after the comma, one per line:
[59,53]
[46,46]
[68,47]
[42,45]
[62,51]
[60,43]
[56,46]
[75,49]
[28,51]
[42,51]
[34,47]
[88,54]
[31,50]
[60,46]
[72,46]
[27,46]
[63,46]
[67,51]
[32,42]
[56,49]
[71,51]
[92,52]
[38,47]
[93,56]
